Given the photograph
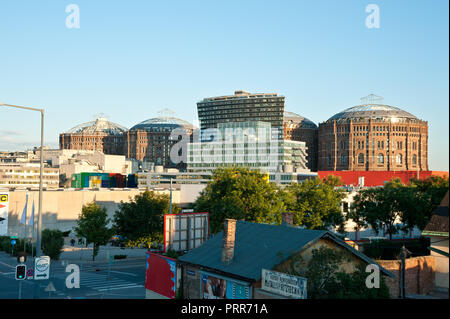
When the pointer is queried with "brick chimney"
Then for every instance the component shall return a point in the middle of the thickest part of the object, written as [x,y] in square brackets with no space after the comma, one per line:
[228,242]
[287,219]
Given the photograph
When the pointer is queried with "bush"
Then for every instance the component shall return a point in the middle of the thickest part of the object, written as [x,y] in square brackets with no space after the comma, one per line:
[390,250]
[52,243]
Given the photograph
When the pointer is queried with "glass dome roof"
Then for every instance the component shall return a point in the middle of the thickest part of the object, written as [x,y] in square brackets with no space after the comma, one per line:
[373,111]
[291,116]
[157,122]
[100,125]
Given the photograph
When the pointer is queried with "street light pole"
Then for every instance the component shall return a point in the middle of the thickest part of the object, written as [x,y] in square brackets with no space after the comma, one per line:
[41,169]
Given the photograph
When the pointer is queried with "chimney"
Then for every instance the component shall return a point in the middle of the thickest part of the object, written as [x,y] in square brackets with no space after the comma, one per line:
[287,219]
[228,242]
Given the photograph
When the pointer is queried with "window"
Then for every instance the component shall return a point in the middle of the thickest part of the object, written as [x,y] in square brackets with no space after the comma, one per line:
[342,159]
[399,159]
[361,158]
[414,159]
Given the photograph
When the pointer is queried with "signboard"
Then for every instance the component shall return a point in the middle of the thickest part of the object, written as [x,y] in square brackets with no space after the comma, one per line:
[284,284]
[4,205]
[42,268]
[161,275]
[30,273]
[185,231]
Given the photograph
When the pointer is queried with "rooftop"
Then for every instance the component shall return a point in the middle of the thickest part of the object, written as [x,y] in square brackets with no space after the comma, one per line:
[260,246]
[100,125]
[163,121]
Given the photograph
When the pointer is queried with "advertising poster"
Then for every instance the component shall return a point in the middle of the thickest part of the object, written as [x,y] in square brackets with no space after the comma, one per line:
[219,288]
[4,205]
[161,274]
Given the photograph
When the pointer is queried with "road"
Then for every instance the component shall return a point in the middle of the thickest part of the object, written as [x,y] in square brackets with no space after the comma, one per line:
[124,280]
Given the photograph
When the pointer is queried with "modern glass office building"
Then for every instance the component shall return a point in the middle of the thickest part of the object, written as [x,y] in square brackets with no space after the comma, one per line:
[252,144]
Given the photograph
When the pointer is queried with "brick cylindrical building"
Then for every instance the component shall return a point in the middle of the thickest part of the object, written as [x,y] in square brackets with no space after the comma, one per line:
[99,135]
[373,137]
[299,128]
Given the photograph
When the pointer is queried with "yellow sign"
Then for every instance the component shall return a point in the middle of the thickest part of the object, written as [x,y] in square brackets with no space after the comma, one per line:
[3,198]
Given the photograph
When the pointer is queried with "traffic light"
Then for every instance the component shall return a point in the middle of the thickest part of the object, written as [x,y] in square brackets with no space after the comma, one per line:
[21,272]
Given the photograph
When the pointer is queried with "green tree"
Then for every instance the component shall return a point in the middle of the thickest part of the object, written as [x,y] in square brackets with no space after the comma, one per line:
[316,203]
[52,243]
[412,205]
[379,208]
[326,279]
[92,225]
[142,219]
[240,193]
[420,198]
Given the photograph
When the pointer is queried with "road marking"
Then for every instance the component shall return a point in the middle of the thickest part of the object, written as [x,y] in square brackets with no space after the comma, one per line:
[7,265]
[122,272]
[118,288]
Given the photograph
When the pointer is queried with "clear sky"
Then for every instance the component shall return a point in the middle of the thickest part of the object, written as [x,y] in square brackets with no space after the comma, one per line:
[131,59]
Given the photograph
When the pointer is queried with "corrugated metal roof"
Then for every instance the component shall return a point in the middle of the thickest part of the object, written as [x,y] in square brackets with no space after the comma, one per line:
[259,246]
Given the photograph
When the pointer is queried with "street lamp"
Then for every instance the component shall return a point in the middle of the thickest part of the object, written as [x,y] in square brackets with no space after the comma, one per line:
[38,235]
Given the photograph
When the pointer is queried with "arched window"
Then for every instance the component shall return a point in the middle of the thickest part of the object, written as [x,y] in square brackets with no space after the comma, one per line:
[380,158]
[399,159]
[361,158]
[342,159]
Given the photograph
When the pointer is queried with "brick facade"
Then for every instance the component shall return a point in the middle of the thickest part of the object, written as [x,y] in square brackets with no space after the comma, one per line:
[419,277]
[371,145]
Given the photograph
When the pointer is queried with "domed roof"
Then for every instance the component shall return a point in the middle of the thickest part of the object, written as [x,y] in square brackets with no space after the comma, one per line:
[373,111]
[291,116]
[372,108]
[100,125]
[158,122]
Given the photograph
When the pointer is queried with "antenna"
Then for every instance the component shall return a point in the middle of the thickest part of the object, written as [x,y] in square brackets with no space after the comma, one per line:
[372,99]
[166,112]
[100,115]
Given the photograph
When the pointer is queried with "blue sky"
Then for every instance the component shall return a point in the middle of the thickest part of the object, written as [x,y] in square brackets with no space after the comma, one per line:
[131,59]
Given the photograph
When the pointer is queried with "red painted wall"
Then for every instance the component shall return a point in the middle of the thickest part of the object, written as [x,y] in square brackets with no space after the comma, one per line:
[160,275]
[372,178]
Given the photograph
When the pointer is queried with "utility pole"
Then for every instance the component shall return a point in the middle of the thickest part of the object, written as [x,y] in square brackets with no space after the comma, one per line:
[402,290]
[170,205]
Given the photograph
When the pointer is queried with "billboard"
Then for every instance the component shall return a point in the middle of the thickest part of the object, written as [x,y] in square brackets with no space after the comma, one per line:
[216,287]
[185,231]
[161,275]
[283,284]
[4,206]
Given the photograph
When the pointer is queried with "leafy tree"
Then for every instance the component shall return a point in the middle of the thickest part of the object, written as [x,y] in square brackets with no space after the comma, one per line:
[420,198]
[316,203]
[240,193]
[142,218]
[353,286]
[327,280]
[379,208]
[92,225]
[412,205]
[52,243]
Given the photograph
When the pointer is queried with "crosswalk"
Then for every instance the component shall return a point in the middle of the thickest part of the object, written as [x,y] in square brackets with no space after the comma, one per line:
[101,282]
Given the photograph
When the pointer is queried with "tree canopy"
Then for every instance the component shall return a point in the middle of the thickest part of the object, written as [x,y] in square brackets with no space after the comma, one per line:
[92,225]
[316,203]
[398,207]
[240,193]
[143,216]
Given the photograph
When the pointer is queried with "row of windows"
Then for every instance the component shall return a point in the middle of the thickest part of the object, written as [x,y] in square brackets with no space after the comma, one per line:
[380,159]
